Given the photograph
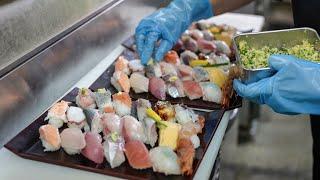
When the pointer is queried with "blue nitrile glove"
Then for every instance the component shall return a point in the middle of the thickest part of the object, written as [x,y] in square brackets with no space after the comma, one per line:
[167,25]
[293,89]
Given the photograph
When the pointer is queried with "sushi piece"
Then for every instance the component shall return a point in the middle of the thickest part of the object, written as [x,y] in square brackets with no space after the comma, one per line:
[168,69]
[202,25]
[169,136]
[165,160]
[137,155]
[192,89]
[136,66]
[192,128]
[175,89]
[211,92]
[153,70]
[184,115]
[121,65]
[133,129]
[205,46]
[94,120]
[178,46]
[196,34]
[142,106]
[157,88]
[76,117]
[122,103]
[72,140]
[111,123]
[49,136]
[217,76]
[85,98]
[190,44]
[185,72]
[120,81]
[139,83]
[222,59]
[200,74]
[114,149]
[165,110]
[186,154]
[103,100]
[150,131]
[207,35]
[195,141]
[93,149]
[172,58]
[57,114]
[222,47]
[188,56]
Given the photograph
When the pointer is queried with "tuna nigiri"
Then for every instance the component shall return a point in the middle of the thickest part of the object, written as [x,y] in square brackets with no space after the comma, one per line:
[57,114]
[172,58]
[164,160]
[76,117]
[120,81]
[94,120]
[93,149]
[192,89]
[49,136]
[103,100]
[72,140]
[133,129]
[122,103]
[85,98]
[139,83]
[122,65]
[113,150]
[137,155]
[157,88]
[111,123]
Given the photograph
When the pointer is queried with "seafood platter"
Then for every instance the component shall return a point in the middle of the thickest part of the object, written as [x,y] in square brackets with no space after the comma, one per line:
[135,121]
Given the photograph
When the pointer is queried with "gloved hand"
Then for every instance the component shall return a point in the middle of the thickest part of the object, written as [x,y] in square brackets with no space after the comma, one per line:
[293,89]
[167,25]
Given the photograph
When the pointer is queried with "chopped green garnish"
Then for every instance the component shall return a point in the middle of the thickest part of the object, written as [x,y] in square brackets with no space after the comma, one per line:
[102,90]
[114,136]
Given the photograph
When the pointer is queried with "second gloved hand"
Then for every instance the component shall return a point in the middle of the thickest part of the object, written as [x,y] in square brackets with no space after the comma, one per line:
[294,89]
[166,25]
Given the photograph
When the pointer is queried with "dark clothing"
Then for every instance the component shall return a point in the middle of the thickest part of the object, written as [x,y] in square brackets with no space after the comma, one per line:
[306,13]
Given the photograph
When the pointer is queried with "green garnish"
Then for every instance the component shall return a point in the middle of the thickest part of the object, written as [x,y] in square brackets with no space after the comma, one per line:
[102,90]
[114,136]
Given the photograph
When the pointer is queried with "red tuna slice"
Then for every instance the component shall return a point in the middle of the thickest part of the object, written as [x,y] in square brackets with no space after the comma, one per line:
[157,88]
[94,149]
[137,155]
[192,89]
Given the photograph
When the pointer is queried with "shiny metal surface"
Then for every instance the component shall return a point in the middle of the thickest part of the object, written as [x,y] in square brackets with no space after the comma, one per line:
[30,89]
[278,39]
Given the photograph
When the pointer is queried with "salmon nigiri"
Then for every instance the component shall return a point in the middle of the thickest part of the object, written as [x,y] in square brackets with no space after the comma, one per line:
[137,155]
[120,81]
[122,103]
[122,65]
[192,89]
[50,138]
[57,114]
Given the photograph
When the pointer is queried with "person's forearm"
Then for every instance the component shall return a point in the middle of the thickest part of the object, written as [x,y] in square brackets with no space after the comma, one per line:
[222,6]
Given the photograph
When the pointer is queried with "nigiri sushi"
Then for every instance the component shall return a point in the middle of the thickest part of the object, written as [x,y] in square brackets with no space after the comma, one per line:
[222,47]
[103,100]
[168,69]
[186,154]
[150,131]
[122,65]
[114,149]
[76,117]
[94,120]
[172,58]
[57,114]
[164,160]
[137,155]
[157,88]
[49,136]
[185,72]
[122,103]
[139,83]
[211,92]
[190,44]
[120,81]
[72,140]
[93,149]
[184,115]
[188,56]
[207,35]
[136,66]
[85,98]
[205,46]
[153,70]
[165,110]
[195,141]
[175,89]
[196,34]
[142,106]
[192,89]
[133,129]
[111,123]
[200,74]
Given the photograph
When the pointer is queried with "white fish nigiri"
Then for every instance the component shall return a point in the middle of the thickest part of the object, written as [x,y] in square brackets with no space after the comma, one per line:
[94,120]
[184,115]
[136,66]
[72,140]
[57,114]
[164,160]
[103,100]
[85,98]
[133,129]
[211,92]
[142,106]
[114,150]
[49,136]
[139,83]
[76,117]
[111,123]
[150,131]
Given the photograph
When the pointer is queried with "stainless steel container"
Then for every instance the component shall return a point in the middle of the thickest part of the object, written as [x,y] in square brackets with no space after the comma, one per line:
[279,39]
